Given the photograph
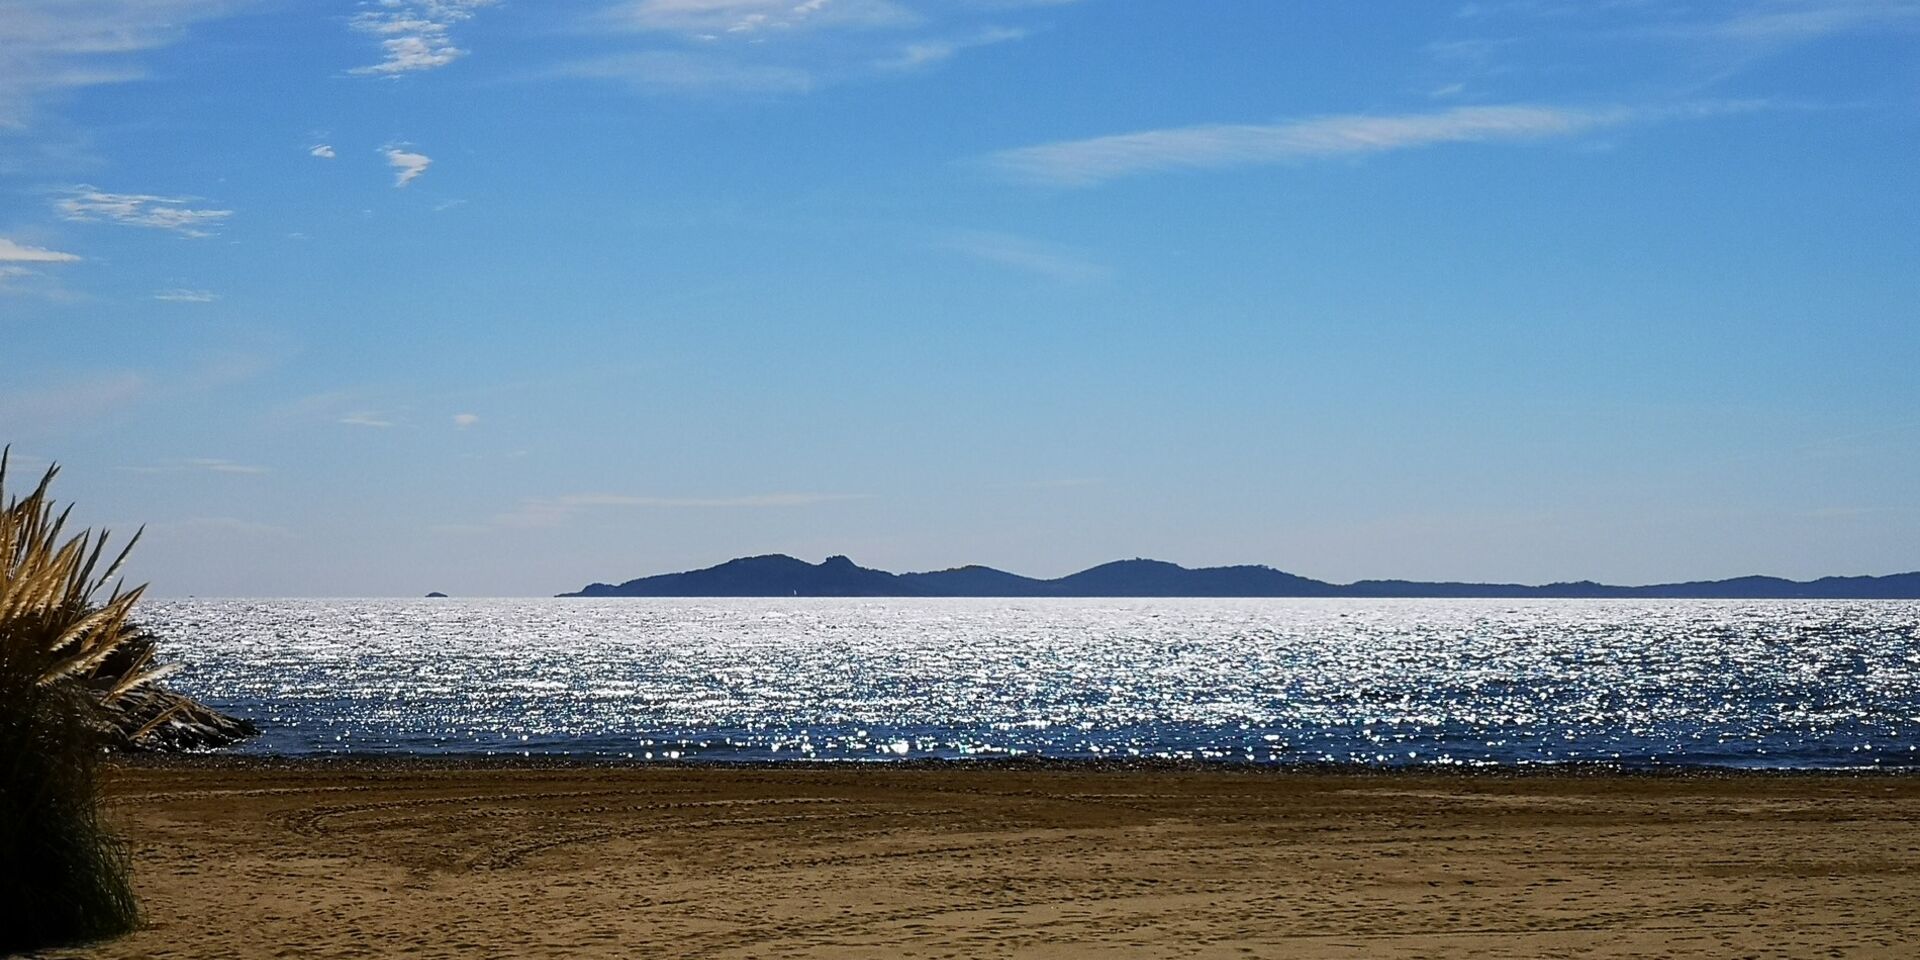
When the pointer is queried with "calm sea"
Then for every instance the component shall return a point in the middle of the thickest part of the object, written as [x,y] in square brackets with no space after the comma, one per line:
[1381,682]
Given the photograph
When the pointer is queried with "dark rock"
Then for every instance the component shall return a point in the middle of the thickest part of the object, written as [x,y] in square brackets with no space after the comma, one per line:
[151,719]
[139,715]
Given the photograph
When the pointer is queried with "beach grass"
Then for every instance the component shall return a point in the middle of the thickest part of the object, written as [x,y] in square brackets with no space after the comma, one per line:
[68,649]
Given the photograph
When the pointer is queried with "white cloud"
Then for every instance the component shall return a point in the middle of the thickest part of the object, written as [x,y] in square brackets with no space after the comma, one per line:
[1027,255]
[1217,146]
[92,205]
[49,46]
[553,511]
[12,252]
[407,165]
[416,35]
[414,52]
[322,150]
[186,296]
[465,420]
[366,420]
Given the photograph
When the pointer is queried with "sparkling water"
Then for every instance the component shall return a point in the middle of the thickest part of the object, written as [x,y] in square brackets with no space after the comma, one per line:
[1378,682]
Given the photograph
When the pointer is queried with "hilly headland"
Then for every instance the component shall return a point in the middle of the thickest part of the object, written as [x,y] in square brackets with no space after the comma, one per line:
[778,575]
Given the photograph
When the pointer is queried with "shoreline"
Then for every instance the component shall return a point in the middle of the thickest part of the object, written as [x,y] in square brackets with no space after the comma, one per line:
[242,857]
[427,762]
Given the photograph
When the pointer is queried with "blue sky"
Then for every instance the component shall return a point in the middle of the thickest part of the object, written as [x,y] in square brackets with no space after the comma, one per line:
[503,297]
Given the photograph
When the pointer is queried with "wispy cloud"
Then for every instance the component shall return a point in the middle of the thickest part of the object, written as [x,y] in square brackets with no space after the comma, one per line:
[16,280]
[1064,483]
[414,35]
[231,526]
[49,46]
[788,46]
[324,151]
[1476,54]
[186,296]
[55,407]
[553,511]
[92,205]
[925,53]
[226,466]
[1722,38]
[1795,22]
[1767,22]
[465,420]
[1030,256]
[1078,163]
[1729,45]
[202,465]
[715,17]
[351,406]
[12,252]
[676,71]
[407,164]
[50,409]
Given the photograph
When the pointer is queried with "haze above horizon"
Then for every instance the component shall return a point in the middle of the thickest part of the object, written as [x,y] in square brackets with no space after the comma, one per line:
[496,296]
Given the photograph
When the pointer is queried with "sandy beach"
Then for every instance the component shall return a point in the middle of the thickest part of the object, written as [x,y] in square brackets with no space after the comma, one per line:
[461,859]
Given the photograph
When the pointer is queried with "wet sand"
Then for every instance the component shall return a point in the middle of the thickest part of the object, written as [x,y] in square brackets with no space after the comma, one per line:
[423,859]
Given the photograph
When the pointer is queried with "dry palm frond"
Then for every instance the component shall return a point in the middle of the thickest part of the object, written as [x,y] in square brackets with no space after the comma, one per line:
[66,875]
[48,618]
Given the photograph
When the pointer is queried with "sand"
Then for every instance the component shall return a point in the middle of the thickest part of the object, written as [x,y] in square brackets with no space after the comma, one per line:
[424,860]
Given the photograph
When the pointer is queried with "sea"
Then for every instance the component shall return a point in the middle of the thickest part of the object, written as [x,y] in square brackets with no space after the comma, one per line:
[1379,683]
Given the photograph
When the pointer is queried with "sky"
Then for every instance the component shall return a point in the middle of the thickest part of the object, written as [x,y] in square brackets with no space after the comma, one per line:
[501,297]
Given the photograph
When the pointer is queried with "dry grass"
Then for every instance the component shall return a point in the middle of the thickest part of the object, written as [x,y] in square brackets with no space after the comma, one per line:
[66,656]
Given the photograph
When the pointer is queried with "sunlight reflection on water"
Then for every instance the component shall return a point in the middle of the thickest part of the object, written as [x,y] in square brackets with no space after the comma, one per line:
[1745,683]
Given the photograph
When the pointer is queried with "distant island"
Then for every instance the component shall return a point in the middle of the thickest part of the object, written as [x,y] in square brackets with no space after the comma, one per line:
[784,576]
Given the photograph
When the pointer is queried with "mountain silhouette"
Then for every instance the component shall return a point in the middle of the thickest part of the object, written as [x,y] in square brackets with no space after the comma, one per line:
[778,575]
[768,576]
[1157,578]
